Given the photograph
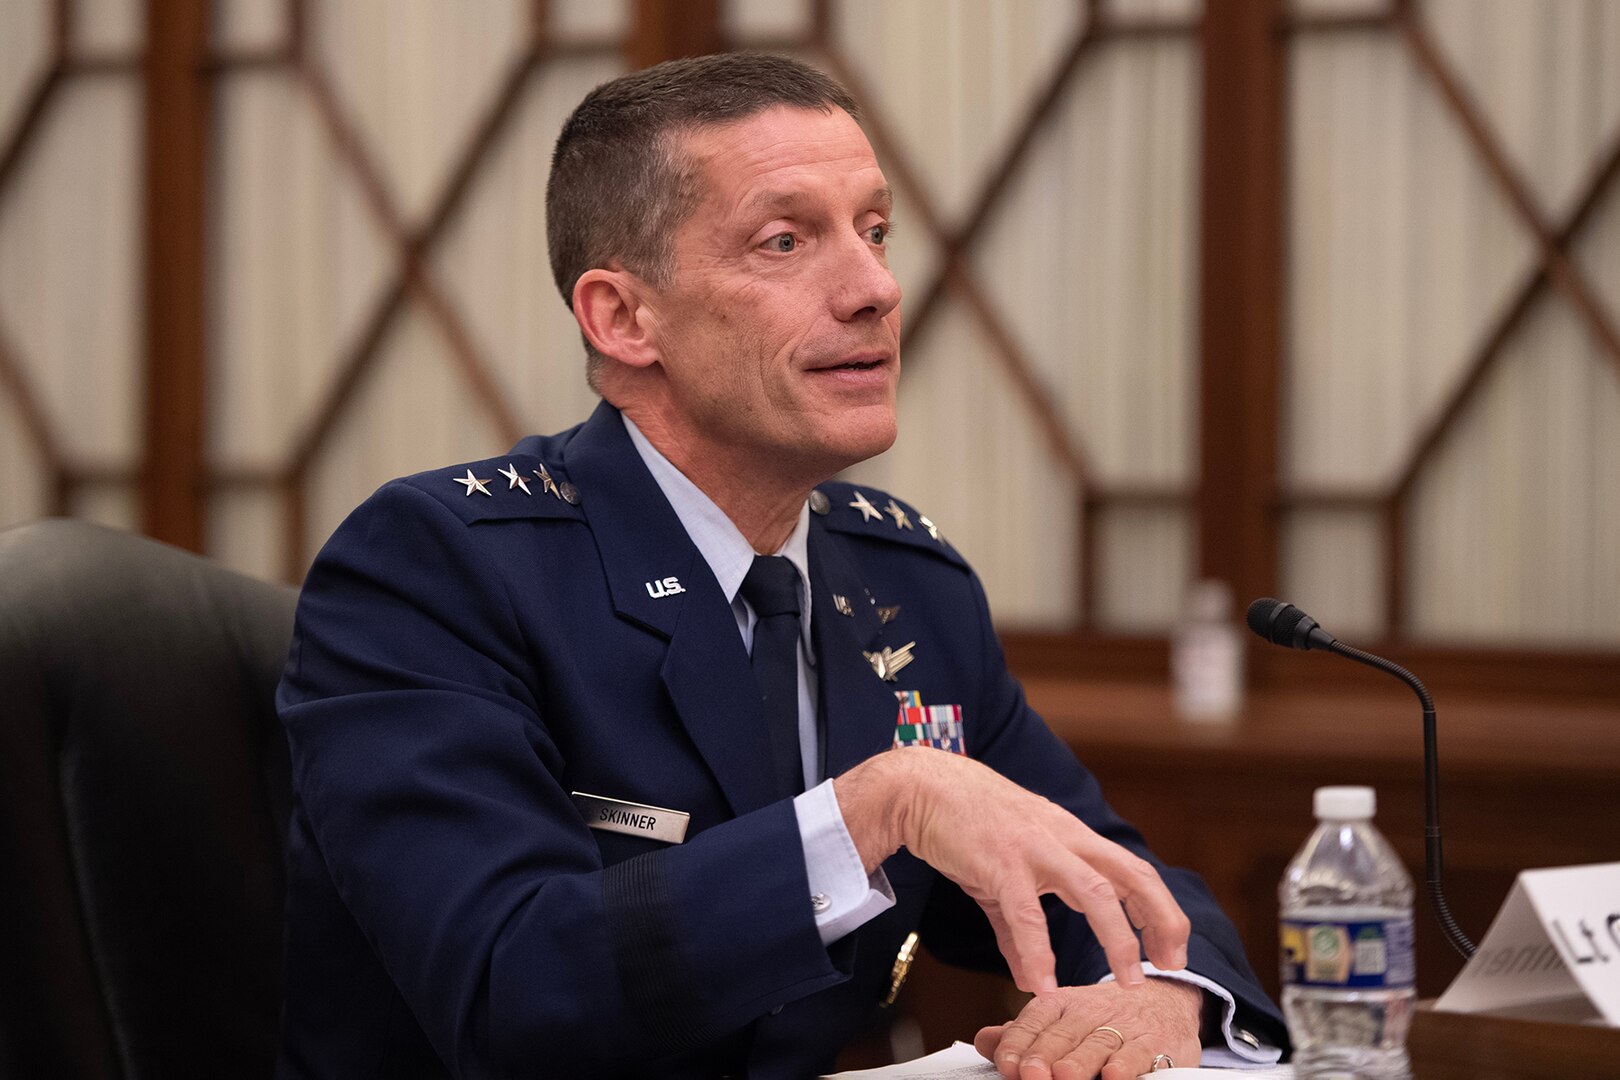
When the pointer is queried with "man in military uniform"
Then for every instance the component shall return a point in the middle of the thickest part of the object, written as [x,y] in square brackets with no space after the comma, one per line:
[643,748]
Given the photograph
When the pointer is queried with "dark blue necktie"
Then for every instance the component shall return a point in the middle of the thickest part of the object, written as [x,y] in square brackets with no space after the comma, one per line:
[772,590]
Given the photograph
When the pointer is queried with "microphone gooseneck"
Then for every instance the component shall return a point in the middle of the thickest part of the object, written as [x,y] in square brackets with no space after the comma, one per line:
[1286,625]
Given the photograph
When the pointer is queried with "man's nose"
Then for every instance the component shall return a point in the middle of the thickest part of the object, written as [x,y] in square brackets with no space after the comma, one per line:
[865,287]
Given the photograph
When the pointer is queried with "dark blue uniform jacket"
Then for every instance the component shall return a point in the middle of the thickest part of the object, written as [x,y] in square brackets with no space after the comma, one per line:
[463,662]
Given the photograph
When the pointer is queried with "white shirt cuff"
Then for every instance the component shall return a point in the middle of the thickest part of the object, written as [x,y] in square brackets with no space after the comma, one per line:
[1243,1049]
[842,897]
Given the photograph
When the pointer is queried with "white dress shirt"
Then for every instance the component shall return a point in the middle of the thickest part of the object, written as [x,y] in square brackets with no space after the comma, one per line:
[843,897]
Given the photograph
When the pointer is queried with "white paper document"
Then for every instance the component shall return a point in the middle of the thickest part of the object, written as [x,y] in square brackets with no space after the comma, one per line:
[961,1062]
[1553,951]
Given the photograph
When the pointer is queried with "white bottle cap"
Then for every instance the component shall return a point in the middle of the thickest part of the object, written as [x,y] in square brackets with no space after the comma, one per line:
[1345,803]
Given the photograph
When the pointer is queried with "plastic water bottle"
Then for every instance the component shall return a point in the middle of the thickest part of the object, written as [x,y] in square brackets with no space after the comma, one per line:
[1206,656]
[1347,969]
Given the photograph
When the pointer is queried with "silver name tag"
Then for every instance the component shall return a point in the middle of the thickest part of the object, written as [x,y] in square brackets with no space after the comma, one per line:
[632,819]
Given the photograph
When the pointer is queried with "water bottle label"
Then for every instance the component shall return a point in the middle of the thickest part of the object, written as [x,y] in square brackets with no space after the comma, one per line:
[1352,955]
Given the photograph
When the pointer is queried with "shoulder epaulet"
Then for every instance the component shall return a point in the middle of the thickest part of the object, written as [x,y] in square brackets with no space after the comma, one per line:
[866,511]
[503,488]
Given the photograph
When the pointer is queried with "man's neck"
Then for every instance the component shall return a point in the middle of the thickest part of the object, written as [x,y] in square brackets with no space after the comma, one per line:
[761,502]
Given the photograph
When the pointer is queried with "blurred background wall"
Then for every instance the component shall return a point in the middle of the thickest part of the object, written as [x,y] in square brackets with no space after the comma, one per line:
[1317,297]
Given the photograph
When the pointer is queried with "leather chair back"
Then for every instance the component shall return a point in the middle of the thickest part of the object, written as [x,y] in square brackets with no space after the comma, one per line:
[144,795]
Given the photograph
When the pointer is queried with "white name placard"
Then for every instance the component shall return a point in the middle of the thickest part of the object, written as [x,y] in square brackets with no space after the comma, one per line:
[1553,951]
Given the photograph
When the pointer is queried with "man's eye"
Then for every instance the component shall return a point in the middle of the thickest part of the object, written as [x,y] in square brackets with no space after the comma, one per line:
[879,234]
[783,242]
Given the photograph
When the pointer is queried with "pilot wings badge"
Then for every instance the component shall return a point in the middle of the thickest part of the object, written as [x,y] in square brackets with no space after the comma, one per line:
[888,663]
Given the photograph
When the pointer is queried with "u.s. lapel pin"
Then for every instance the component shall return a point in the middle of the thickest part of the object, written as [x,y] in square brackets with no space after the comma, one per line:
[888,663]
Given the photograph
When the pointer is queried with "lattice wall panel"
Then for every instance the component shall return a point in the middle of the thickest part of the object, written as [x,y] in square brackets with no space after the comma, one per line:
[494,265]
[1515,525]
[299,265]
[415,78]
[953,78]
[384,302]
[70,392]
[409,412]
[1400,249]
[969,457]
[1092,257]
[1454,331]
[1043,154]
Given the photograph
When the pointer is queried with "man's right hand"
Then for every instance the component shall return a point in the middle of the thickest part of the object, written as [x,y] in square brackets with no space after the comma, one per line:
[1007,847]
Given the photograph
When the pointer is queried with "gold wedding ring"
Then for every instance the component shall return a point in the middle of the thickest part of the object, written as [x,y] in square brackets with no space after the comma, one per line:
[1112,1031]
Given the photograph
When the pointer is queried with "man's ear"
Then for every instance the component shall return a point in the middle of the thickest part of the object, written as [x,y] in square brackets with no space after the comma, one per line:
[609,307]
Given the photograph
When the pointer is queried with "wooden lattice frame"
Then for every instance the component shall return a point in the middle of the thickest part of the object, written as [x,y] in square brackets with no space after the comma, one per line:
[413,280]
[1554,267]
[67,61]
[412,243]
[955,274]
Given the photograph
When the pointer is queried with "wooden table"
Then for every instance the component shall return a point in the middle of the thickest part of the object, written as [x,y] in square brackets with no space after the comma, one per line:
[1449,1046]
[1524,784]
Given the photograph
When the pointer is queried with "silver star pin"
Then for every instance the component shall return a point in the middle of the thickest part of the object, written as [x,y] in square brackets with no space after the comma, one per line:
[890,662]
[900,519]
[515,479]
[842,604]
[474,484]
[933,530]
[546,482]
[868,511]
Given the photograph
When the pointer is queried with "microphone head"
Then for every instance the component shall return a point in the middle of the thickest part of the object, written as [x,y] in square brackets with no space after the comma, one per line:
[1286,625]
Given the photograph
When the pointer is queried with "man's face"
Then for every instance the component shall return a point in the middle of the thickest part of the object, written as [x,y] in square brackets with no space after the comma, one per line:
[780,331]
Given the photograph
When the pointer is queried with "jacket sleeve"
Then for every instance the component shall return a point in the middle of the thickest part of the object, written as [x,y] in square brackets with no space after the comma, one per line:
[431,781]
[1015,741]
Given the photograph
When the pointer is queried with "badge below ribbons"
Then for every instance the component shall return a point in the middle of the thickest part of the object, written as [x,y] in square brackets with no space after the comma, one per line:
[938,726]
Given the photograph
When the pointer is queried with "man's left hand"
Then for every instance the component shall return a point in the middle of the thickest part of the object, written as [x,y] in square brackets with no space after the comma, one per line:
[1055,1037]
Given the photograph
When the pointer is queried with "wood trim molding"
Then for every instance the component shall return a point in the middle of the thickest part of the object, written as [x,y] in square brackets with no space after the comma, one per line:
[177,127]
[670,29]
[1240,287]
[1543,674]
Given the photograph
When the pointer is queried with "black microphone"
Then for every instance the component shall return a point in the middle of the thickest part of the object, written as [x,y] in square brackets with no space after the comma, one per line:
[1286,625]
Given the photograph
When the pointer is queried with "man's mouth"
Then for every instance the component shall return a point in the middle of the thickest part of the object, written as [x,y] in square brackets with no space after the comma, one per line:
[856,363]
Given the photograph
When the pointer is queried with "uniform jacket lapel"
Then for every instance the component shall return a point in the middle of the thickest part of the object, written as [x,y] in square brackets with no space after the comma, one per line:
[706,669]
[859,708]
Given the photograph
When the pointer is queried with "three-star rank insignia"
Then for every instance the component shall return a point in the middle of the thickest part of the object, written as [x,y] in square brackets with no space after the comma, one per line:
[515,479]
[474,484]
[888,663]
[864,505]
